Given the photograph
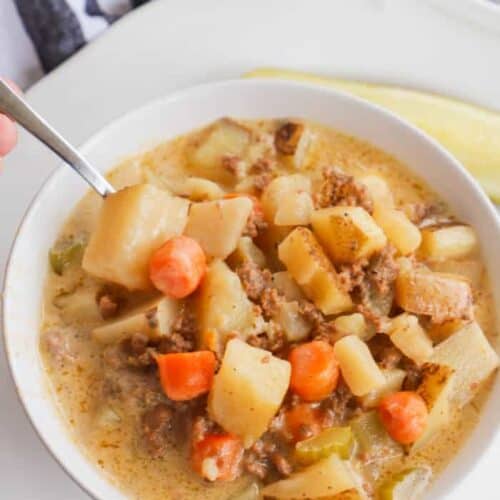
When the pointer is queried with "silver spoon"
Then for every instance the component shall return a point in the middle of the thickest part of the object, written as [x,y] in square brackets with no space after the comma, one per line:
[19,110]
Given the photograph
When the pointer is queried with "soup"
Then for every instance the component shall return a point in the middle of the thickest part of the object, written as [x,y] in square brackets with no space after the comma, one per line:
[268,308]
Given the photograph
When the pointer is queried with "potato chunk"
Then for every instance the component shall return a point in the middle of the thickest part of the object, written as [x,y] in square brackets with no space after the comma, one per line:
[353,324]
[470,269]
[347,233]
[248,390]
[132,224]
[438,295]
[379,191]
[223,307]
[435,389]
[448,242]
[217,225]
[400,231]
[287,200]
[284,282]
[410,338]
[311,269]
[246,251]
[295,326]
[225,138]
[325,478]
[154,319]
[357,365]
[470,354]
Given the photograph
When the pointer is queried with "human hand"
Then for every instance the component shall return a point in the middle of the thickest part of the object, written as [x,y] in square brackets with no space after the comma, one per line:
[8,131]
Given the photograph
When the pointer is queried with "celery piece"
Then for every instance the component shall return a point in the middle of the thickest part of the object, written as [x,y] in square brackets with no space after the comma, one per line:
[406,485]
[334,440]
[373,441]
[62,256]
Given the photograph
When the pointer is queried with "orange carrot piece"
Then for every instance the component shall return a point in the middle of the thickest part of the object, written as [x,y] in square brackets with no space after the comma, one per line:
[186,375]
[404,415]
[217,457]
[178,267]
[302,421]
[315,371]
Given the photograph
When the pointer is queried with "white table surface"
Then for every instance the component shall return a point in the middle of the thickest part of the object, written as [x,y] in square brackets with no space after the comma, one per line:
[169,45]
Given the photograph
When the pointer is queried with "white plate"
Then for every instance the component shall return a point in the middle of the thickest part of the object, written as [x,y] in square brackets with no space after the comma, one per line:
[168,45]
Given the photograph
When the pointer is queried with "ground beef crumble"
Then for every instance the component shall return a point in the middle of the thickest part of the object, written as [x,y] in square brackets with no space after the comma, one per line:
[261,181]
[254,280]
[156,424]
[265,457]
[255,224]
[383,269]
[339,188]
[386,354]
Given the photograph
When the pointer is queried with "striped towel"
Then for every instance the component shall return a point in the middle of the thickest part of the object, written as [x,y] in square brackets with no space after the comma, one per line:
[50,31]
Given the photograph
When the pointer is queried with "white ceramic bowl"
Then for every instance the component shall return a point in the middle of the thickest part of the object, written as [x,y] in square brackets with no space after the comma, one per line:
[180,113]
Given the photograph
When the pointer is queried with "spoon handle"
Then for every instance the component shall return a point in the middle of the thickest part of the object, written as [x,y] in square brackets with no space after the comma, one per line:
[19,110]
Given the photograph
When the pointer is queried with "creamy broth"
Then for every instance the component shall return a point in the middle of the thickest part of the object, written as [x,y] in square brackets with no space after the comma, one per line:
[106,421]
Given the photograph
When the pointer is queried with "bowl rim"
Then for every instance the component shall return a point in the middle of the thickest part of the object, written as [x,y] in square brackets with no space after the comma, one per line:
[186,93]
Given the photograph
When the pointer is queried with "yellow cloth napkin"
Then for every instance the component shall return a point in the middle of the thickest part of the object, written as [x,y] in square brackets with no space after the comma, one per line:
[471,133]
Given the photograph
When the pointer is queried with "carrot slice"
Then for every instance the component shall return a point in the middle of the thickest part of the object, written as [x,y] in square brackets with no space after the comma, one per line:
[186,375]
[217,457]
[302,421]
[315,371]
[404,415]
[178,267]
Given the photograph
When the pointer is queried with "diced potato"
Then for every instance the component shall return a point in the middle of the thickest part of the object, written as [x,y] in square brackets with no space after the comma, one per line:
[218,225]
[441,331]
[471,270]
[379,191]
[154,319]
[223,307]
[295,326]
[127,175]
[372,438]
[311,269]
[224,138]
[287,286]
[409,484]
[198,189]
[435,389]
[286,201]
[302,155]
[400,231]
[410,338]
[294,210]
[132,224]
[357,365]
[246,251]
[347,233]
[470,354]
[248,390]
[438,295]
[353,324]
[352,494]
[394,379]
[322,479]
[448,242]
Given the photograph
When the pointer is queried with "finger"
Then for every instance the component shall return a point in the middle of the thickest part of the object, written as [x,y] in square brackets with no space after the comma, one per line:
[8,135]
[12,85]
